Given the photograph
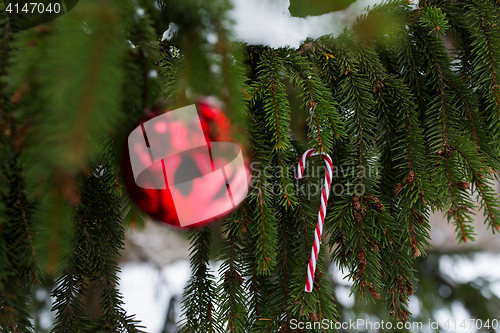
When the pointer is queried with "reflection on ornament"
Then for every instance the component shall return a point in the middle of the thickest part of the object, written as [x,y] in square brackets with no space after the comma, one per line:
[176,174]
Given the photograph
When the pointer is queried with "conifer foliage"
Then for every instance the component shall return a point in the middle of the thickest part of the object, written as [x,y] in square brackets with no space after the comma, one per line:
[406,102]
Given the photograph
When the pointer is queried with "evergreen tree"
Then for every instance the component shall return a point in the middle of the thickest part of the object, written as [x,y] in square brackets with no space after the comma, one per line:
[413,127]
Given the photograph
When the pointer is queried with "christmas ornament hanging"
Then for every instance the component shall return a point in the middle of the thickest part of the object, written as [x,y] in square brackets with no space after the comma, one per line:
[311,267]
[177,172]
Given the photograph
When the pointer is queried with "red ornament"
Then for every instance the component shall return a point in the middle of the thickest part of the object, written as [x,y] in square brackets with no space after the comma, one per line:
[180,173]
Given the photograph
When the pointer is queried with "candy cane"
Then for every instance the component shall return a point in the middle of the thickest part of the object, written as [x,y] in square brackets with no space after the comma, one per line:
[311,267]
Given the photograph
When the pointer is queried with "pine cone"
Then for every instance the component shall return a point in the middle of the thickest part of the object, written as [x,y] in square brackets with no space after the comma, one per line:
[313,317]
[409,289]
[358,217]
[464,185]
[398,188]
[355,203]
[374,293]
[411,177]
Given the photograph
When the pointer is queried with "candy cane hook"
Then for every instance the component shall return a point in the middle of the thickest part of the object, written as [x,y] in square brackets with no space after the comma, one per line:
[311,267]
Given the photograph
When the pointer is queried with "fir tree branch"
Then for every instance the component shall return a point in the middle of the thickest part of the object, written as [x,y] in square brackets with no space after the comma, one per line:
[324,123]
[232,296]
[488,200]
[489,36]
[99,236]
[445,112]
[199,295]
[18,273]
[276,114]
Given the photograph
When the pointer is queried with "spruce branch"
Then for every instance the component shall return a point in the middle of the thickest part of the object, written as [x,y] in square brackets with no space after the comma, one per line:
[98,238]
[272,102]
[486,35]
[324,119]
[199,297]
[232,296]
[441,140]
[19,270]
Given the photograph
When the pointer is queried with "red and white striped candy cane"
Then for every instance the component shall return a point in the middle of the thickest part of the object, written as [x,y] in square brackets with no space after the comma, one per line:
[311,267]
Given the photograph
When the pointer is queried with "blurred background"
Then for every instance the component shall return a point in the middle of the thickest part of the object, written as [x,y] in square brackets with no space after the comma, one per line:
[456,282]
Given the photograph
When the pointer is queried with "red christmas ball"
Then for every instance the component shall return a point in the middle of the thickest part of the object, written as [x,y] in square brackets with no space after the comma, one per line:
[180,167]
